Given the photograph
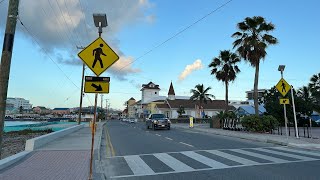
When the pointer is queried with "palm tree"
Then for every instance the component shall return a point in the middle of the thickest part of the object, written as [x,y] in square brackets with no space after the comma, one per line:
[305,93]
[314,85]
[225,69]
[200,93]
[251,42]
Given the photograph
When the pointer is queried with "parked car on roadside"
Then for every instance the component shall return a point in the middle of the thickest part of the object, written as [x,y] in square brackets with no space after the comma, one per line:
[157,121]
[133,120]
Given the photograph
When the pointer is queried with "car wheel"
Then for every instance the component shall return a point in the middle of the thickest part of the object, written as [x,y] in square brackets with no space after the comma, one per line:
[168,127]
[154,127]
[147,126]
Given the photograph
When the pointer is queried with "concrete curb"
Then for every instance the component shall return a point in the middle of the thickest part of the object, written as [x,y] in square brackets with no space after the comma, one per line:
[100,140]
[12,159]
[309,146]
[36,143]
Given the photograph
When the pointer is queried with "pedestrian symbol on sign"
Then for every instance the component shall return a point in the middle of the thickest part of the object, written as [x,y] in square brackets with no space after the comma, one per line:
[283,85]
[97,56]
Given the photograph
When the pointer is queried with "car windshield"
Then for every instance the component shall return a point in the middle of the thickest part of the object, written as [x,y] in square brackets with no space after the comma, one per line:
[158,116]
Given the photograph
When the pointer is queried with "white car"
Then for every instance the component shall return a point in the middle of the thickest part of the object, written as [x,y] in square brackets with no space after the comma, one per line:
[133,120]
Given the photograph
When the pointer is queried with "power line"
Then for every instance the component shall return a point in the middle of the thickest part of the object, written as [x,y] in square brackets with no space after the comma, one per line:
[177,34]
[46,52]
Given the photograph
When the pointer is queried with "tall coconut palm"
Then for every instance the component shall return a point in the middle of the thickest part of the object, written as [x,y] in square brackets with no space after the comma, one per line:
[251,43]
[314,86]
[200,93]
[224,68]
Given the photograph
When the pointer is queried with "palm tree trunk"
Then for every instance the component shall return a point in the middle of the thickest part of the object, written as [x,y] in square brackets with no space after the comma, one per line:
[255,90]
[227,96]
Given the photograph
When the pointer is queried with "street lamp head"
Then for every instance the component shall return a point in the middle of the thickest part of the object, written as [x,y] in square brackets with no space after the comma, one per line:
[100,20]
[281,68]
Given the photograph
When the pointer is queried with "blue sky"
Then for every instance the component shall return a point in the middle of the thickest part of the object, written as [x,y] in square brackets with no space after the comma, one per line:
[45,68]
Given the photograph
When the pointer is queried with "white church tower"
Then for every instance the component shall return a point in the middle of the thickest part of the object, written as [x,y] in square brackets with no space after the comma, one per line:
[149,91]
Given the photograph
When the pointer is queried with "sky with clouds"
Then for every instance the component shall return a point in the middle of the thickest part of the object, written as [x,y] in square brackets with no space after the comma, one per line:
[159,41]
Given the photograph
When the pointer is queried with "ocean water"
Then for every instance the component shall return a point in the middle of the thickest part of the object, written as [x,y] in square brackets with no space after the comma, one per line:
[18,123]
[34,125]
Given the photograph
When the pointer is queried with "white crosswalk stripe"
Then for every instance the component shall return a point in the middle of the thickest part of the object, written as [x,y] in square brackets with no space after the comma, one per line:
[286,154]
[173,163]
[136,166]
[261,156]
[233,158]
[298,151]
[207,161]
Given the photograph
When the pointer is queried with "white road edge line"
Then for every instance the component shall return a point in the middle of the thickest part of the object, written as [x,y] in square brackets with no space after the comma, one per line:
[186,144]
[158,135]
[169,138]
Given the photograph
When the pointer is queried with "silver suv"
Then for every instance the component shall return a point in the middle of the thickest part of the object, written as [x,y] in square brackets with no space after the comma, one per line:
[156,121]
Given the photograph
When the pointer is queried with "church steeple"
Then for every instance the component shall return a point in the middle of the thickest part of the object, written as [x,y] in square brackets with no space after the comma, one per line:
[171,94]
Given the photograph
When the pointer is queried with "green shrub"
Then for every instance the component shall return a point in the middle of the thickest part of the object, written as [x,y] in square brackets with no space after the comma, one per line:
[259,124]
[269,123]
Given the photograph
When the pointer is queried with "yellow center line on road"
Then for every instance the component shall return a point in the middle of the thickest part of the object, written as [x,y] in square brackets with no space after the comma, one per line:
[108,139]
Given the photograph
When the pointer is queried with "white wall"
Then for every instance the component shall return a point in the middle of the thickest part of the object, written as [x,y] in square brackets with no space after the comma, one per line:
[148,94]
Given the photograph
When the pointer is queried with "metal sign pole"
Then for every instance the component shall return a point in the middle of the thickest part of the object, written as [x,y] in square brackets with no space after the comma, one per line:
[93,133]
[294,113]
[286,121]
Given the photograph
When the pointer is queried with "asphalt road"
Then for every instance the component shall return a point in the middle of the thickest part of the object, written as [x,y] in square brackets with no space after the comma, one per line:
[183,154]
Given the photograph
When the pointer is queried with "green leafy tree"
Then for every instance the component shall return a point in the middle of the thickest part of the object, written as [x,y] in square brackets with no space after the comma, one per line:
[201,94]
[251,43]
[225,69]
[181,111]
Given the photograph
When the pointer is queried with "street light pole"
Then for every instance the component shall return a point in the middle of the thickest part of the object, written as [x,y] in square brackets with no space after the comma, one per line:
[6,60]
[100,21]
[281,69]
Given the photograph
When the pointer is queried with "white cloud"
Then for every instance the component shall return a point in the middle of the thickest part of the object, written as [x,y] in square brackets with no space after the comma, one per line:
[61,25]
[190,68]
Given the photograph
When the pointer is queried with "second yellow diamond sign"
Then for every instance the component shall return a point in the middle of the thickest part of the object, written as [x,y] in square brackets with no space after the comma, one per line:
[98,56]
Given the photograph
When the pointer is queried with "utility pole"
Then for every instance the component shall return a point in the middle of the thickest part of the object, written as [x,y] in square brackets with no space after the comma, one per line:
[101,106]
[6,60]
[106,109]
[81,90]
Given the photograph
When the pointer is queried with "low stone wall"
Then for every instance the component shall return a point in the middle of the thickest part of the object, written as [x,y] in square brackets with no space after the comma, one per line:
[36,143]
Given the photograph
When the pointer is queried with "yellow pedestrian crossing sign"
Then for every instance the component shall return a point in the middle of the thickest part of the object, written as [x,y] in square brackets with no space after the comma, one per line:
[96,84]
[98,56]
[283,87]
[284,101]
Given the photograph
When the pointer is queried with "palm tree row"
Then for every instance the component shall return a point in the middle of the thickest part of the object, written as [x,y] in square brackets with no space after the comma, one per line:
[311,93]
[251,43]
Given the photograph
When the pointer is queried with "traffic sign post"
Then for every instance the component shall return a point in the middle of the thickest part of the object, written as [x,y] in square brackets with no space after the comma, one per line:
[96,84]
[98,56]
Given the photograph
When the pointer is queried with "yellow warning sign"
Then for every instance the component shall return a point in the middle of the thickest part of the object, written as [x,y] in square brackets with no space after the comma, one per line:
[98,56]
[96,84]
[284,101]
[283,87]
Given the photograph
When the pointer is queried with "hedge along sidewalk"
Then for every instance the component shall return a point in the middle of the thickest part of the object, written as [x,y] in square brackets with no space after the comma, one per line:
[306,143]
